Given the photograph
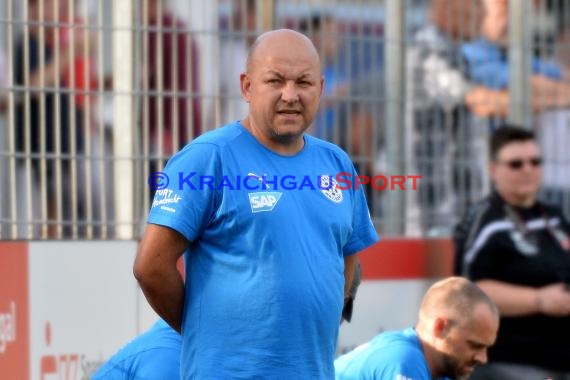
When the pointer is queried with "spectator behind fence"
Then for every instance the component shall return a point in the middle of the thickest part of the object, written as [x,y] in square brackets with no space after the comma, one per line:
[325,34]
[446,144]
[517,249]
[56,129]
[171,67]
[150,356]
[552,128]
[364,112]
[487,66]
[457,323]
[234,45]
[350,124]
[265,290]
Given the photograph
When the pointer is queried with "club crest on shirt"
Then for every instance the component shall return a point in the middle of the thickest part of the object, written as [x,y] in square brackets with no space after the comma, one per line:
[331,192]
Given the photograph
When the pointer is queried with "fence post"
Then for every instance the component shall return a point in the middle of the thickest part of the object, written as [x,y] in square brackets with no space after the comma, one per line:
[520,90]
[266,15]
[124,119]
[395,131]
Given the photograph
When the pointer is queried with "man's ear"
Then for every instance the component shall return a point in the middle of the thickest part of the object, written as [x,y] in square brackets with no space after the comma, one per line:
[440,327]
[245,86]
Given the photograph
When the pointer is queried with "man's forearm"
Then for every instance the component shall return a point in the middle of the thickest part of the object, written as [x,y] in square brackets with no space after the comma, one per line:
[548,94]
[165,294]
[156,271]
[512,300]
[349,268]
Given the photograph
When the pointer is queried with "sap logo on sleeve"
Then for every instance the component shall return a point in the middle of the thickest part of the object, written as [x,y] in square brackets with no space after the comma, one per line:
[263,201]
[402,377]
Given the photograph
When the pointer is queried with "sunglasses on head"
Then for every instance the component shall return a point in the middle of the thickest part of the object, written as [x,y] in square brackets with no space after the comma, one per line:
[518,163]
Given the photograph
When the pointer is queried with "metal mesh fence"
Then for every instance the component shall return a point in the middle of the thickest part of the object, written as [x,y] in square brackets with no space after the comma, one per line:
[95,95]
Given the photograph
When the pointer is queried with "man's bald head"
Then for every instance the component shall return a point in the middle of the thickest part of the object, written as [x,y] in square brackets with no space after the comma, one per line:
[283,85]
[282,39]
[455,298]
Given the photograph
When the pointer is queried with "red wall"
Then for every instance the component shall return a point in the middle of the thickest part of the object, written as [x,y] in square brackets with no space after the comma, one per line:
[407,259]
[14,290]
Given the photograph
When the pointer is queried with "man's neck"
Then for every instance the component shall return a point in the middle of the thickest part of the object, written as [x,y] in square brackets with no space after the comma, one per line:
[285,148]
[519,201]
[429,354]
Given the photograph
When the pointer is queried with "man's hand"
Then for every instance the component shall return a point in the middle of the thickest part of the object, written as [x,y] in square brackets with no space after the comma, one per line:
[350,288]
[485,102]
[554,300]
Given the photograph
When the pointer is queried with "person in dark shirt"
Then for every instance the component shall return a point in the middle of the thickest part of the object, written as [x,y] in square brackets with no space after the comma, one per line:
[517,249]
[48,114]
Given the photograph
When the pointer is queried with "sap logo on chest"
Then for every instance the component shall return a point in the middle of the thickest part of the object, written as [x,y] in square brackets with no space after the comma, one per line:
[263,201]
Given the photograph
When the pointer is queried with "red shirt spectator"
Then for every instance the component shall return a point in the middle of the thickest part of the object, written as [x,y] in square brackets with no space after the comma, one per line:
[174,47]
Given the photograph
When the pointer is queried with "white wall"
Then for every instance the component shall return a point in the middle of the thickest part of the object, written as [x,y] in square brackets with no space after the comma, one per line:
[87,294]
[84,304]
[380,306]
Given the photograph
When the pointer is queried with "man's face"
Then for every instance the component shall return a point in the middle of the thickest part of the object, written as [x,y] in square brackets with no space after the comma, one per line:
[283,86]
[495,20]
[464,346]
[516,170]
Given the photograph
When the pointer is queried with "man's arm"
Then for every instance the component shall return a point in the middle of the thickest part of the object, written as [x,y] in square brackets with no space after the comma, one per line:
[349,268]
[486,102]
[515,300]
[546,94]
[155,270]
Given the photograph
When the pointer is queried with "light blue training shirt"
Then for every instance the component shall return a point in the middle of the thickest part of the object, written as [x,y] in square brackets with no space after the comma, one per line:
[264,266]
[391,355]
[152,355]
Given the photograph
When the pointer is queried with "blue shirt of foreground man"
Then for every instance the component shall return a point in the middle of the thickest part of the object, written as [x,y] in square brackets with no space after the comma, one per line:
[457,323]
[264,280]
[152,355]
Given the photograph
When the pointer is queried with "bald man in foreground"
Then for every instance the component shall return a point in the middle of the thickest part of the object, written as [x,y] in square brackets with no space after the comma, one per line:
[269,241]
[457,323]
